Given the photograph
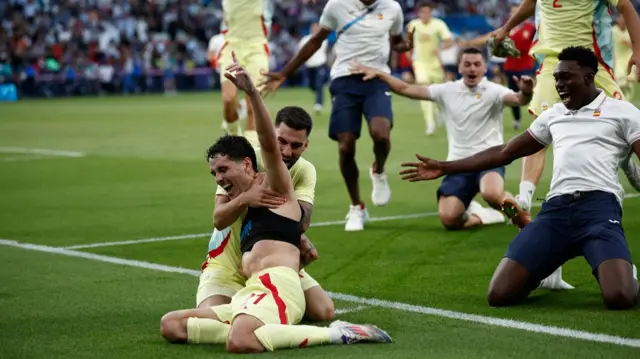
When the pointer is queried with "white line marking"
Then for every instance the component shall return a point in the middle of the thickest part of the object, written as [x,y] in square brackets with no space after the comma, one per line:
[136,241]
[22,158]
[41,151]
[351,310]
[317,224]
[505,323]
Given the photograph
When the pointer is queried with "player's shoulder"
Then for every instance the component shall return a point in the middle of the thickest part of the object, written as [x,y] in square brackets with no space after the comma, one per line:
[303,166]
[620,107]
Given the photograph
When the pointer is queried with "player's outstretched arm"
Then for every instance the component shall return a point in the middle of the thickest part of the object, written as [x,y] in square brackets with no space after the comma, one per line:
[278,175]
[428,169]
[632,21]
[416,92]
[273,80]
[526,9]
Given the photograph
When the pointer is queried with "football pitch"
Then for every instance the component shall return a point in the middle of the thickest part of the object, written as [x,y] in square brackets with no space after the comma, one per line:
[105,216]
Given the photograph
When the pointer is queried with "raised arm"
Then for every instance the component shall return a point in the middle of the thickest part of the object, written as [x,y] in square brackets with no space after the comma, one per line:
[277,173]
[526,10]
[522,97]
[416,92]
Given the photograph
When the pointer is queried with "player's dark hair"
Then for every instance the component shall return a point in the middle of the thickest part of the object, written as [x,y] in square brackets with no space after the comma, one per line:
[471,51]
[425,3]
[585,57]
[295,117]
[237,148]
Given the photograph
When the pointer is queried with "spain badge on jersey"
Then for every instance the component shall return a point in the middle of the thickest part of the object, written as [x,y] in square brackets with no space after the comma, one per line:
[478,95]
[596,112]
[380,17]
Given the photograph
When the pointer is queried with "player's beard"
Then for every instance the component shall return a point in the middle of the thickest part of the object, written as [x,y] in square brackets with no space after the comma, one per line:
[290,161]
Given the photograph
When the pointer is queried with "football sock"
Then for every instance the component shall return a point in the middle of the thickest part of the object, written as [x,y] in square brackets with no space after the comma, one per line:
[429,112]
[526,192]
[280,336]
[207,331]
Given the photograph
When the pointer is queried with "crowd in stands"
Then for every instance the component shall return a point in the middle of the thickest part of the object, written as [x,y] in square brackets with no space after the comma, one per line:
[69,47]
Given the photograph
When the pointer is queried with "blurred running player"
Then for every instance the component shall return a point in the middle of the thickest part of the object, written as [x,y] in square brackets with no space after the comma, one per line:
[582,215]
[366,31]
[245,33]
[213,53]
[316,69]
[472,111]
[262,316]
[430,35]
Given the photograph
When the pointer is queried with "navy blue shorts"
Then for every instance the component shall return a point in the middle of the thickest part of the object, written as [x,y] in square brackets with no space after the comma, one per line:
[587,224]
[464,186]
[351,98]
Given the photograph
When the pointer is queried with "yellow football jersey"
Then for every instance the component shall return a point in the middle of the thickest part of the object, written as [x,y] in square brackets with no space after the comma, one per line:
[564,23]
[227,246]
[427,39]
[244,20]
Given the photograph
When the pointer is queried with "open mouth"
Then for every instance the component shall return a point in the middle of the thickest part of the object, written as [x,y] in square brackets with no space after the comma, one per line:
[564,96]
[228,188]
[472,77]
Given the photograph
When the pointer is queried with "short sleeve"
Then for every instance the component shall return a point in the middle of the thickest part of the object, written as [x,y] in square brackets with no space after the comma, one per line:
[328,19]
[500,92]
[444,32]
[304,182]
[437,91]
[632,126]
[398,21]
[539,129]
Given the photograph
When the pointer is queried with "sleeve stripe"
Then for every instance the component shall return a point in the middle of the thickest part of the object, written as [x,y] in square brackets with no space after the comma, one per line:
[536,138]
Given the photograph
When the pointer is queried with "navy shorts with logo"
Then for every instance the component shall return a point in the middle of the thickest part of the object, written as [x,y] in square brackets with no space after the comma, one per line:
[351,98]
[464,186]
[587,224]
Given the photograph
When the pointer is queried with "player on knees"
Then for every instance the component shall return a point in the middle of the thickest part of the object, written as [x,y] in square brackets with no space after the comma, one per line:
[550,38]
[582,215]
[220,278]
[262,315]
[364,29]
[472,111]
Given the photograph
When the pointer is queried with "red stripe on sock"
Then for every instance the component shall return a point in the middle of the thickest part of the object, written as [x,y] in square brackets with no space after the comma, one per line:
[282,308]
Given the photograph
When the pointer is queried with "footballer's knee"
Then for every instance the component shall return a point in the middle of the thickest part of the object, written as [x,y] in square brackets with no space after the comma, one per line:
[493,197]
[320,307]
[380,129]
[451,221]
[173,327]
[509,284]
[242,338]
[619,298]
[347,145]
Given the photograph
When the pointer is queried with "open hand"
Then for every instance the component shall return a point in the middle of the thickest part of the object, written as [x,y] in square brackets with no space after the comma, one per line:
[634,60]
[525,84]
[425,170]
[360,69]
[260,195]
[271,82]
[238,75]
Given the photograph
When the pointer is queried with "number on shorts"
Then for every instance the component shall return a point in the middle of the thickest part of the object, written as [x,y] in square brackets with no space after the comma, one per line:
[556,4]
[260,297]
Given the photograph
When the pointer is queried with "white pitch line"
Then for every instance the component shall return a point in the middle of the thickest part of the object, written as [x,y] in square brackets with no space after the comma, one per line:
[317,224]
[498,322]
[41,151]
[351,310]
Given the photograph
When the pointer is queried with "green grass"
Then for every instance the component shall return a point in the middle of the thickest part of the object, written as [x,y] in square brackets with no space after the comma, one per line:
[144,175]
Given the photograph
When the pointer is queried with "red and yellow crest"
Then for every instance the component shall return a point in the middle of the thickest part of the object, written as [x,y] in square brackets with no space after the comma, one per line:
[380,17]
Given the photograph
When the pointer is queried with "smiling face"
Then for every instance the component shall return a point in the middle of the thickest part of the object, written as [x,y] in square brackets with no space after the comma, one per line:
[292,143]
[472,67]
[572,83]
[234,176]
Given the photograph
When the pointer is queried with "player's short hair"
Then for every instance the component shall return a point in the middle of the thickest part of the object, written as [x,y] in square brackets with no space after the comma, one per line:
[295,117]
[471,51]
[237,148]
[585,57]
[425,3]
